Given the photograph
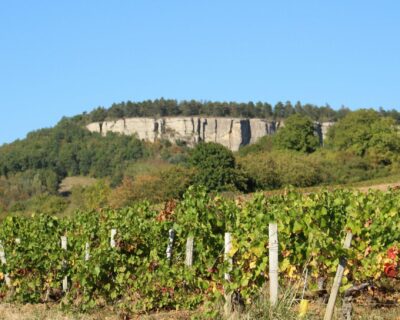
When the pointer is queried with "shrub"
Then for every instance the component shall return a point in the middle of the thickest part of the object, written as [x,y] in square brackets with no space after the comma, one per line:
[92,197]
[215,166]
[276,169]
[298,134]
[143,187]
[169,183]
[175,181]
[366,131]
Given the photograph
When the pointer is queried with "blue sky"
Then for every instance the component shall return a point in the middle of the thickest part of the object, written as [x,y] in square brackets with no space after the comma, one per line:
[60,58]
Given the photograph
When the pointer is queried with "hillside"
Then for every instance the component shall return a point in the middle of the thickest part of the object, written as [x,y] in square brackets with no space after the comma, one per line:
[362,145]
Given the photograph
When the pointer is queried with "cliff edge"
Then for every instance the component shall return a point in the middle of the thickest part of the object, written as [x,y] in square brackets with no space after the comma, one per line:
[230,132]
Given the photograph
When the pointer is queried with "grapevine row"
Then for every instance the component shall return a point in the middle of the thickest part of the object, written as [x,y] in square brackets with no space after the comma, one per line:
[137,276]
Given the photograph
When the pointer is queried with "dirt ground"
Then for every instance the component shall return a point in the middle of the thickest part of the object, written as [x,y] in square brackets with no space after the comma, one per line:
[42,311]
[53,312]
[381,187]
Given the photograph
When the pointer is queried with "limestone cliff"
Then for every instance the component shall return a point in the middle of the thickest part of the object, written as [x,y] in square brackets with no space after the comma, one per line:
[230,132]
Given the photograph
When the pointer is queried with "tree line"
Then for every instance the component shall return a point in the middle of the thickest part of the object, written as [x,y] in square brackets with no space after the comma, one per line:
[170,107]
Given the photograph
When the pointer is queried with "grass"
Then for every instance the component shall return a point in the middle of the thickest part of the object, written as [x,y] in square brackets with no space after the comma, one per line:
[260,309]
[69,182]
[47,312]
[382,180]
[381,183]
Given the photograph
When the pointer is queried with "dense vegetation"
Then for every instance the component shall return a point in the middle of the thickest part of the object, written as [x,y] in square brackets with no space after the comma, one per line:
[132,179]
[169,107]
[136,275]
[362,145]
[37,164]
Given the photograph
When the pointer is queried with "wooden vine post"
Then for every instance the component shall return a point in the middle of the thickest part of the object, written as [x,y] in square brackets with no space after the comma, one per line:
[171,237]
[273,263]
[4,262]
[65,280]
[227,276]
[189,252]
[87,253]
[112,237]
[227,250]
[338,280]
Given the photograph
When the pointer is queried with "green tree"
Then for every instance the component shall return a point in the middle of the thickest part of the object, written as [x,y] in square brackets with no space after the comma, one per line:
[215,166]
[298,134]
[366,132]
[99,114]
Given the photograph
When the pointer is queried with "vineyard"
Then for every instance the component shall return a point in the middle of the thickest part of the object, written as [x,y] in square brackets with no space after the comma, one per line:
[138,274]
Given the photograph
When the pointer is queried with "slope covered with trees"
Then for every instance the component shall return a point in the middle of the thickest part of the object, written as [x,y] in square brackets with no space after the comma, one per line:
[69,149]
[362,145]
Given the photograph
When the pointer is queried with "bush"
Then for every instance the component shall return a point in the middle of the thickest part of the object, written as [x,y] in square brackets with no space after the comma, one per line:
[298,134]
[366,131]
[175,181]
[264,144]
[169,183]
[143,187]
[277,169]
[92,197]
[215,166]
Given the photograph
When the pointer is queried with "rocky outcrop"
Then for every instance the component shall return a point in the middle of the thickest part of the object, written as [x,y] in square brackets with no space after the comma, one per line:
[230,132]
[321,130]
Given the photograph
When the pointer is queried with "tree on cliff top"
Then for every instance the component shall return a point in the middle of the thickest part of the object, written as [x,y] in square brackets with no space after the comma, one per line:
[298,134]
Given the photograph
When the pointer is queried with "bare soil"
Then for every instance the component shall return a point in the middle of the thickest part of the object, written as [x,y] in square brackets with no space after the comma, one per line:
[381,187]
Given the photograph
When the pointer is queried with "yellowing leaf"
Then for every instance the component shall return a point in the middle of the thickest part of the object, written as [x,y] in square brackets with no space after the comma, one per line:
[292,270]
[257,251]
[233,250]
[285,265]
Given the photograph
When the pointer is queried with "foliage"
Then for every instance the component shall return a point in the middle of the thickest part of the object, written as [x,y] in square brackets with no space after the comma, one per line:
[169,107]
[91,197]
[272,170]
[168,183]
[298,134]
[136,276]
[69,149]
[361,146]
[264,144]
[20,187]
[42,203]
[175,181]
[132,190]
[215,166]
[366,132]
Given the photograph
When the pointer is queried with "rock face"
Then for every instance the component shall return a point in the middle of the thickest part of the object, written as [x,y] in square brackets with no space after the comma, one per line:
[230,132]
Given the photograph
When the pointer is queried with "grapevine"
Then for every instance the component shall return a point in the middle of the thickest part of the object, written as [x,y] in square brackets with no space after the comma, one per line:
[136,276]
